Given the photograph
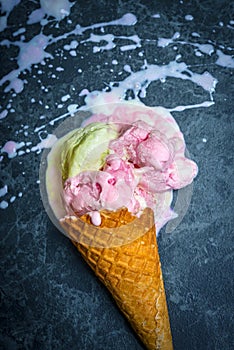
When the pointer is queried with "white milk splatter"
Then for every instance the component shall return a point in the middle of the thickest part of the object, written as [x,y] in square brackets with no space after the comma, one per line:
[3,204]
[224,60]
[3,190]
[34,51]
[163,42]
[198,105]
[84,92]
[11,148]
[31,52]
[19,31]
[195,35]
[72,108]
[70,47]
[188,17]
[139,81]
[7,7]
[209,48]
[57,9]
[156,15]
[48,142]
[3,114]
[109,39]
[65,98]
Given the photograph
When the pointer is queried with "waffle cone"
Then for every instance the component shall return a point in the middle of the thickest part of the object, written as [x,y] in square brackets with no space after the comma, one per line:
[129,267]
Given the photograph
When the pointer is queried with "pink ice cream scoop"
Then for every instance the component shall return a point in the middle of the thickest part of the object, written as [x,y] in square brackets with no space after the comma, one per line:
[94,190]
[143,146]
[126,145]
[160,161]
[155,151]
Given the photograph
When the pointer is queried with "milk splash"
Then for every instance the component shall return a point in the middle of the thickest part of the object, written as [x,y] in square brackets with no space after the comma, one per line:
[37,52]
[6,7]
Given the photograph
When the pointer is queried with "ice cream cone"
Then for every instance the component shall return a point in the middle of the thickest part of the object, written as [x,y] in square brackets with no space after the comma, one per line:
[130,269]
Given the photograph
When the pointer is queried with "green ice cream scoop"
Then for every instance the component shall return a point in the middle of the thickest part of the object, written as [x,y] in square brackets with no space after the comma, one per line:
[86,149]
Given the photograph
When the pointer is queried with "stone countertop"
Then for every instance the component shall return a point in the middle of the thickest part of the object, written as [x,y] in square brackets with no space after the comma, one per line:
[49,297]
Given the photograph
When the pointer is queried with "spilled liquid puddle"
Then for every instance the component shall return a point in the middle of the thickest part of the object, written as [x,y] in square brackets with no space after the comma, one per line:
[34,53]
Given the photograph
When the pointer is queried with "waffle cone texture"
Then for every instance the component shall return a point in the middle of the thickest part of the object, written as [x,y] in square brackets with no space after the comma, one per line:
[123,253]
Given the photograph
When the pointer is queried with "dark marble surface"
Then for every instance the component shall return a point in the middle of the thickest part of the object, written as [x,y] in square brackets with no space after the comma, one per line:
[49,298]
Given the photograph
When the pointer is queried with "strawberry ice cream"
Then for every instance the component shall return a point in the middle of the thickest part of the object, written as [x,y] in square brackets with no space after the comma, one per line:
[140,163]
[111,189]
[124,155]
[161,161]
